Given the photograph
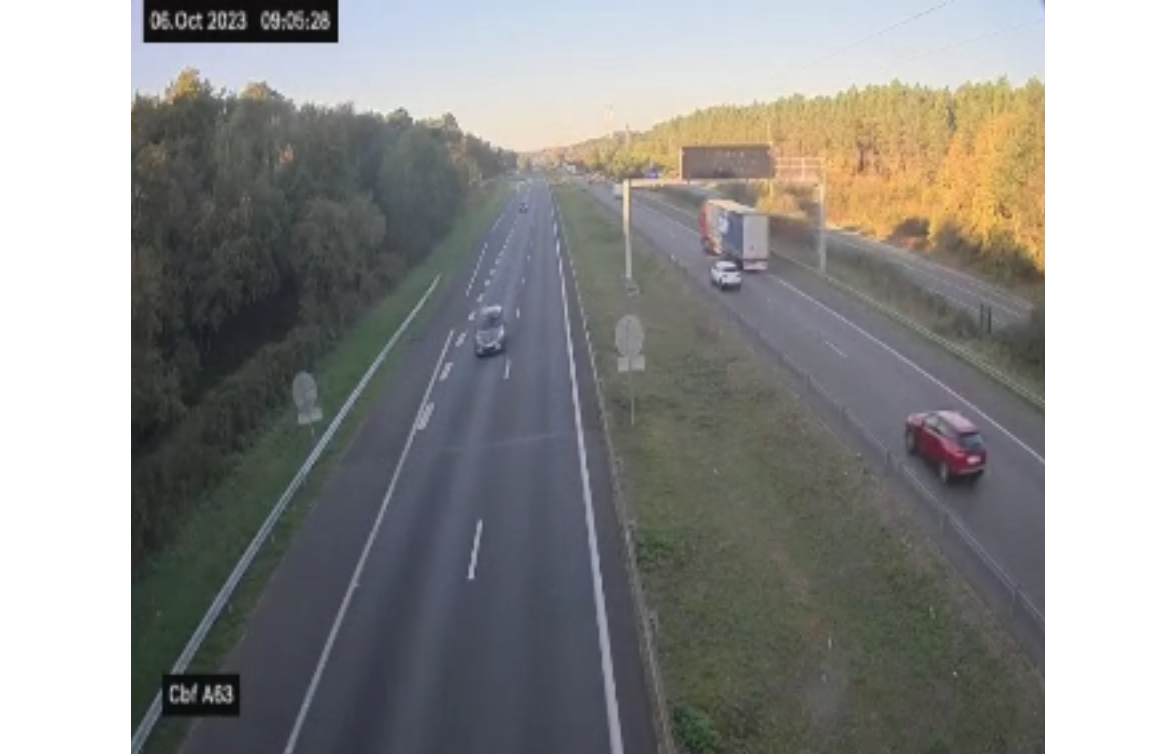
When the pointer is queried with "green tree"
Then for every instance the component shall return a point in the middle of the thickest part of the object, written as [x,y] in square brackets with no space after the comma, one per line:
[260,230]
[966,166]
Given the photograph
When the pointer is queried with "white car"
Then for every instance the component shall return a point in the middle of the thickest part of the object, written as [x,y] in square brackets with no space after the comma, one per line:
[726,275]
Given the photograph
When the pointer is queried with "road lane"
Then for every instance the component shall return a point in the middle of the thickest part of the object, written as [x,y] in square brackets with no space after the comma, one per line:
[632,695]
[285,632]
[421,657]
[965,291]
[886,373]
[506,662]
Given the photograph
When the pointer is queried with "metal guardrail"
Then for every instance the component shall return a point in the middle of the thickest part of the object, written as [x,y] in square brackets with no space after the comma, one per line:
[1011,384]
[999,589]
[1004,299]
[147,725]
[646,617]
[963,354]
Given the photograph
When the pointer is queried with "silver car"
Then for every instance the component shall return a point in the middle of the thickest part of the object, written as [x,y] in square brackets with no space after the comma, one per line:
[490,335]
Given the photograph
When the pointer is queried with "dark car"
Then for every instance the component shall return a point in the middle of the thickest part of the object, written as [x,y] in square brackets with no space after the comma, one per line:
[950,442]
[522,206]
[490,335]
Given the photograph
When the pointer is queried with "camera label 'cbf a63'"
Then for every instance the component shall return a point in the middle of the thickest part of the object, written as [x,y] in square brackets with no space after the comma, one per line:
[201,695]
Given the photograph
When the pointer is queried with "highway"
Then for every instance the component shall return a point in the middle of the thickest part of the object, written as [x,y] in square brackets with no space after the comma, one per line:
[959,288]
[459,585]
[882,372]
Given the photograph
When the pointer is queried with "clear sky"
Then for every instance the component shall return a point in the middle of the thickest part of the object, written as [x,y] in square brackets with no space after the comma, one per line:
[531,74]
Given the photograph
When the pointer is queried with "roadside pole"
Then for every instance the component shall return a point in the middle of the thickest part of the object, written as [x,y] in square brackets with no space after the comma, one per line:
[630,339]
[626,221]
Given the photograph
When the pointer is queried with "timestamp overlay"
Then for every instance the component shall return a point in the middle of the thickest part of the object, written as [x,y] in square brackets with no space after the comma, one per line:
[241,21]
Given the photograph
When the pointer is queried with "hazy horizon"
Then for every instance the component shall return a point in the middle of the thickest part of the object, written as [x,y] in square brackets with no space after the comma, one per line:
[526,79]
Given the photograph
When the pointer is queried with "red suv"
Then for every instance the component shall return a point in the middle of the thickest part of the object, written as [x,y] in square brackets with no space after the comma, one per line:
[949,441]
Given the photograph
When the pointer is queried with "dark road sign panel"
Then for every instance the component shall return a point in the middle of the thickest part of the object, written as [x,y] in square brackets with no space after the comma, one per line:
[749,162]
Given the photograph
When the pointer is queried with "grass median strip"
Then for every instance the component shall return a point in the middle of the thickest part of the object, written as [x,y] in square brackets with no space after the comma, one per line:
[798,606]
[169,601]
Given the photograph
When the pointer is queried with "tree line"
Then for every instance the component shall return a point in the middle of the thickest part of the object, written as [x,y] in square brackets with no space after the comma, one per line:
[260,230]
[961,171]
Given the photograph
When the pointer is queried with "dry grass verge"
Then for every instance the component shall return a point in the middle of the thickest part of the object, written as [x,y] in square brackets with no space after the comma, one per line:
[168,602]
[798,608]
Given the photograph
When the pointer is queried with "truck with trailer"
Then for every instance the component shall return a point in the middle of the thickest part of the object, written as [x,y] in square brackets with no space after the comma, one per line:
[735,232]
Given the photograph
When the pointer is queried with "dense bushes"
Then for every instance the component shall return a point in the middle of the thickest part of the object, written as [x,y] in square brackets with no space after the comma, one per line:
[1027,339]
[259,231]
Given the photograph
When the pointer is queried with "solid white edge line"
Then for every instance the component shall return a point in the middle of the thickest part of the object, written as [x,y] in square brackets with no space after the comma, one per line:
[616,744]
[893,352]
[930,377]
[969,285]
[316,678]
[473,569]
[147,724]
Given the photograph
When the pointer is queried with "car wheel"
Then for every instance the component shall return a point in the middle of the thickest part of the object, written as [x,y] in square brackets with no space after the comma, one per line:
[911,448]
[944,473]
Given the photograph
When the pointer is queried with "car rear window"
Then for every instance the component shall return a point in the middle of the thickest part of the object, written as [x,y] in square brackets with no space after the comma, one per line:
[970,441]
[490,321]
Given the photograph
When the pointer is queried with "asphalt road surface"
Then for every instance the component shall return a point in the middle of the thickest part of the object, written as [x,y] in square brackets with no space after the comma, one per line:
[459,586]
[882,372]
[965,291]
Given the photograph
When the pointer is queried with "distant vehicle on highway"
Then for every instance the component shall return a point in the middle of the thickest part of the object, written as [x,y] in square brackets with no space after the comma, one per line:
[522,206]
[490,336]
[949,441]
[735,232]
[724,275]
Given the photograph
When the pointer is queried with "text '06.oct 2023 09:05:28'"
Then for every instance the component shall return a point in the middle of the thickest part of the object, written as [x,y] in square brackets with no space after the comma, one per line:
[240,21]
